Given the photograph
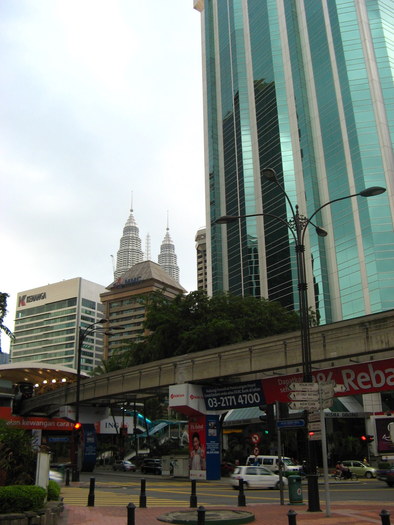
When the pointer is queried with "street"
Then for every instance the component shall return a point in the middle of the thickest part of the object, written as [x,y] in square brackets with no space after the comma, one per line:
[121,488]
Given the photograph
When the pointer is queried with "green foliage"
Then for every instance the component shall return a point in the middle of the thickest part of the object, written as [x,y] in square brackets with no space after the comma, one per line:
[53,491]
[3,313]
[18,498]
[197,322]
[193,322]
[17,458]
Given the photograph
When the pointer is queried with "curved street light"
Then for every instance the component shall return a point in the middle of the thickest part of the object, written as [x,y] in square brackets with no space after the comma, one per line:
[297,225]
[83,333]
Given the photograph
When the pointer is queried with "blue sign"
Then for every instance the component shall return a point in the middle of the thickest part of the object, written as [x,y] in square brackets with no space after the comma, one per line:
[290,423]
[227,397]
[212,438]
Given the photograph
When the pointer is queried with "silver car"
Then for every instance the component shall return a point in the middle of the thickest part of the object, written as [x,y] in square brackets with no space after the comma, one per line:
[255,477]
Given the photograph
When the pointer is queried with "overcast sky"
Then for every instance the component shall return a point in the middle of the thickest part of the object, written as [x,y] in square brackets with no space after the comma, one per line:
[99,99]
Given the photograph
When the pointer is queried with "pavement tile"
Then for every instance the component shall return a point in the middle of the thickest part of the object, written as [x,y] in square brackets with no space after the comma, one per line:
[266,514]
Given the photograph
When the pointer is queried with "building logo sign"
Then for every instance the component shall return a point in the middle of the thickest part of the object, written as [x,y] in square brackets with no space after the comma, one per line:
[24,299]
[363,378]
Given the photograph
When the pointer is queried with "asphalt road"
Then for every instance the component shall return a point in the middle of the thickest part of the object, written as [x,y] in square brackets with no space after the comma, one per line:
[126,486]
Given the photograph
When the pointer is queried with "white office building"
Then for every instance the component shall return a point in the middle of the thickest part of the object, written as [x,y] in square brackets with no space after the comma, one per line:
[47,323]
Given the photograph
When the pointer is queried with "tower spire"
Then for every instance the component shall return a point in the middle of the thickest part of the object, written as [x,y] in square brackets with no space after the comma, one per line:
[130,252]
[167,256]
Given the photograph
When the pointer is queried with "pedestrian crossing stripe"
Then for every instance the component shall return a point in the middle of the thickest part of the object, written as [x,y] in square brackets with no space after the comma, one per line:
[79,497]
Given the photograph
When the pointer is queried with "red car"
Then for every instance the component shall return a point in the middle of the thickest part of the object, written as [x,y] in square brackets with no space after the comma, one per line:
[386,475]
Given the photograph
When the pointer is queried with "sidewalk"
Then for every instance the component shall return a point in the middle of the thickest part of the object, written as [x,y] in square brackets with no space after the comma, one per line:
[349,513]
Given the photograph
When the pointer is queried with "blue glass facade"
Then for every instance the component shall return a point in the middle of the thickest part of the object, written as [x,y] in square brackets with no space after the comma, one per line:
[305,88]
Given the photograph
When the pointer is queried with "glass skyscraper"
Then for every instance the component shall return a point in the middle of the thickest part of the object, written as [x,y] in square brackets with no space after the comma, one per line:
[305,87]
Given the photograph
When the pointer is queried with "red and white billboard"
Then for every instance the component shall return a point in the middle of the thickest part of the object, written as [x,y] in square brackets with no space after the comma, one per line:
[363,378]
[30,423]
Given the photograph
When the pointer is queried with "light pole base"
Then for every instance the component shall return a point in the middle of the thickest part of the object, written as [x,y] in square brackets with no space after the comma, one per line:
[313,493]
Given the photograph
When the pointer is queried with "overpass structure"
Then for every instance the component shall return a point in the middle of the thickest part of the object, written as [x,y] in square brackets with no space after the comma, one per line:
[360,340]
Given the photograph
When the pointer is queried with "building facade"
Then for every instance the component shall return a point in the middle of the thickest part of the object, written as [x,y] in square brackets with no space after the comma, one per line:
[48,320]
[167,257]
[202,266]
[305,88]
[124,302]
[130,251]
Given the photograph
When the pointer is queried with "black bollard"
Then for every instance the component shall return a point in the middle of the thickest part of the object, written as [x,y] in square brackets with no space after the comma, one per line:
[241,494]
[130,514]
[91,493]
[193,495]
[201,516]
[292,517]
[143,495]
[385,517]
[67,477]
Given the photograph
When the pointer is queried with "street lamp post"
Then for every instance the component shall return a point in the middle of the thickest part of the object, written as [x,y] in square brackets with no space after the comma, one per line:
[298,225]
[83,333]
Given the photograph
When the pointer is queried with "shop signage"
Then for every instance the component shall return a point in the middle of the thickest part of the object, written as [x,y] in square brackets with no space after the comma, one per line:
[363,378]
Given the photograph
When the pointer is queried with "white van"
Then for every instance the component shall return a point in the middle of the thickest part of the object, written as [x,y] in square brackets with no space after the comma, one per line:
[272,463]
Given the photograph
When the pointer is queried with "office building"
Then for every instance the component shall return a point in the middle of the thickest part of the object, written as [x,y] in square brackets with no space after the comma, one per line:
[48,320]
[201,253]
[130,251]
[167,257]
[124,302]
[305,88]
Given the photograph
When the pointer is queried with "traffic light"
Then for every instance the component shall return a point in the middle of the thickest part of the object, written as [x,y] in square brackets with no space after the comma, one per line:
[77,426]
[367,438]
[264,420]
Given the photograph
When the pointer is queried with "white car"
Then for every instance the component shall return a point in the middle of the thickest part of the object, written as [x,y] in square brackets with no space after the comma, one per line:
[255,477]
[55,476]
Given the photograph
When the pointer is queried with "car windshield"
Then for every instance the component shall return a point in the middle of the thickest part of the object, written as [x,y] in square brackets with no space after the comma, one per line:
[288,462]
[237,470]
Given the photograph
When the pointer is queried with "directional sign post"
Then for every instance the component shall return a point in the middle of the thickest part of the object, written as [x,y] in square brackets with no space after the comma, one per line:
[304,387]
[304,405]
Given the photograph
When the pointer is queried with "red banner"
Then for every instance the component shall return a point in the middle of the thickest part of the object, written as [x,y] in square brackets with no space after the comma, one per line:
[364,378]
[30,423]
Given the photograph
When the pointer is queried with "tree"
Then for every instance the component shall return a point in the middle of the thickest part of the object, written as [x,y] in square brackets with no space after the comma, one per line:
[194,322]
[17,457]
[3,312]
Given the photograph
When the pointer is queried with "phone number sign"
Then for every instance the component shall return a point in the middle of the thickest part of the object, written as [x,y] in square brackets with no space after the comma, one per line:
[227,397]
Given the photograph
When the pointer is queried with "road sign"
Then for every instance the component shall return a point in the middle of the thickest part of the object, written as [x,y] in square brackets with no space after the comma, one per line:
[313,416]
[326,391]
[304,387]
[304,396]
[290,423]
[314,425]
[304,405]
[326,403]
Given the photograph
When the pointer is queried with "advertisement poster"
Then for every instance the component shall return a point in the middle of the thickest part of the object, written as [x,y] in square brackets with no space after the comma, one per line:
[204,447]
[197,448]
[385,434]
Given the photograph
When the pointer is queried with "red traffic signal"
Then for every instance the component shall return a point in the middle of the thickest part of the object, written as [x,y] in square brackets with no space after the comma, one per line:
[367,438]
[77,426]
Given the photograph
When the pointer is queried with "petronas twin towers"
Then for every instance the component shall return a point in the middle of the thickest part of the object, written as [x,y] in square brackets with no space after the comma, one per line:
[130,251]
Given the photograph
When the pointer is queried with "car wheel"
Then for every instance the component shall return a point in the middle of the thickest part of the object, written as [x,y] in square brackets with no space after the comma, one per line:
[368,475]
[245,485]
[390,483]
